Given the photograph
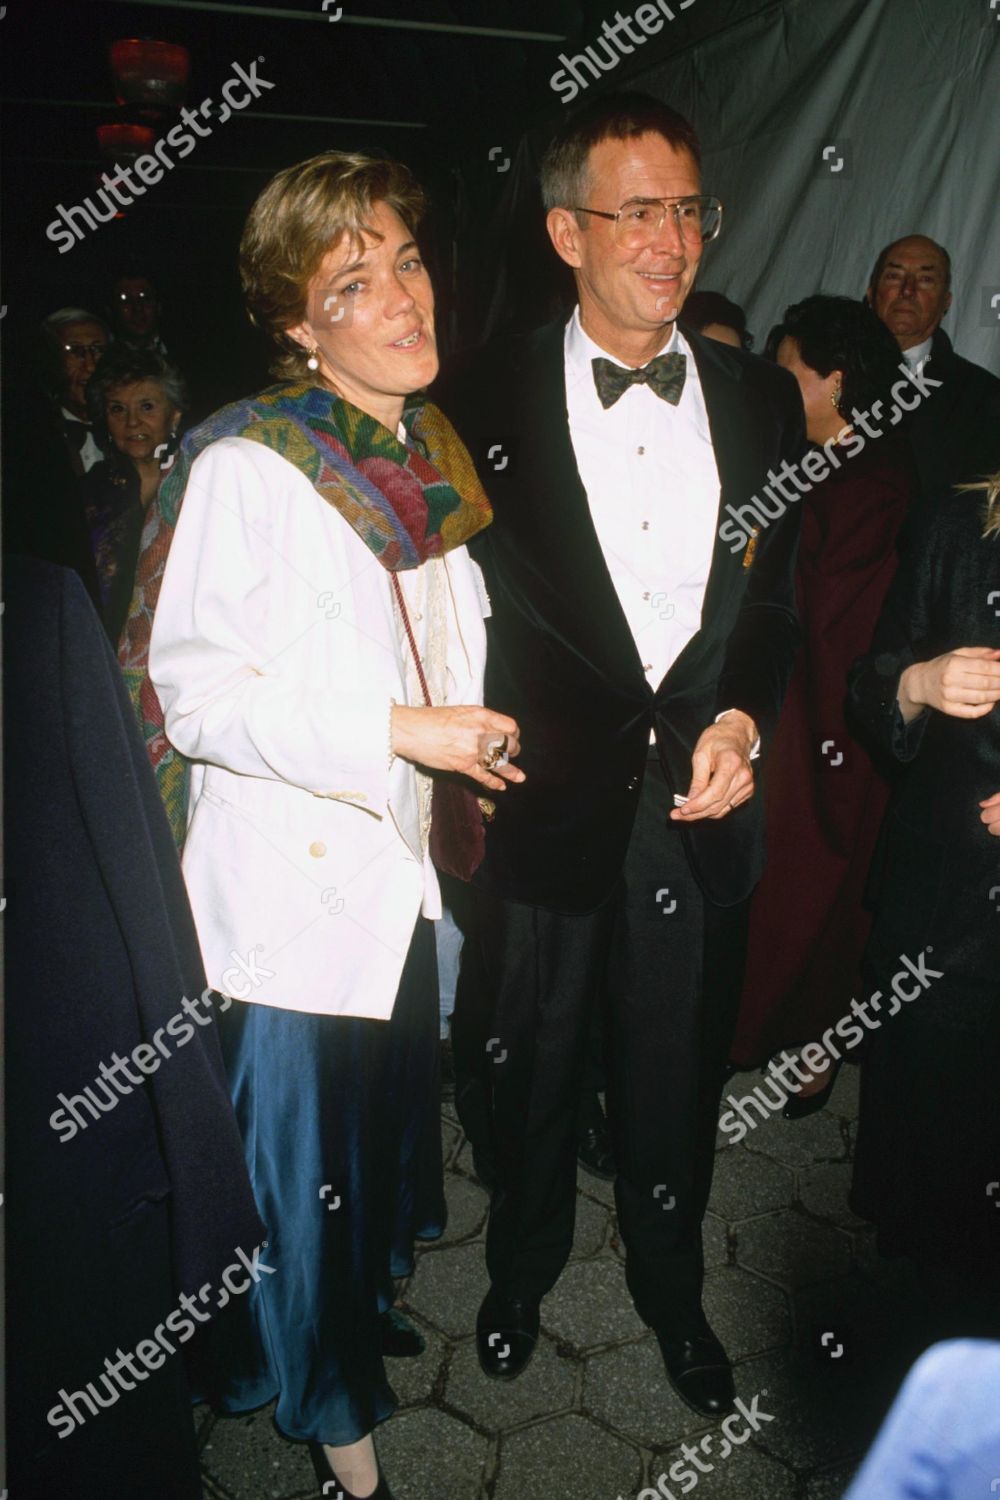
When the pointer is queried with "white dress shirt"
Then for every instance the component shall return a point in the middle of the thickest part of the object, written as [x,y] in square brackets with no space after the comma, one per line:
[918,356]
[652,482]
[90,453]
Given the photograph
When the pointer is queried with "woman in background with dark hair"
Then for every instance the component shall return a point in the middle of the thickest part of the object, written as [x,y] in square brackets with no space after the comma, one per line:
[716,317]
[136,399]
[824,794]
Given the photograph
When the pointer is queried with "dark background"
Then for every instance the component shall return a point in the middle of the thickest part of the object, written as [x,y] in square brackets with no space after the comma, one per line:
[436,83]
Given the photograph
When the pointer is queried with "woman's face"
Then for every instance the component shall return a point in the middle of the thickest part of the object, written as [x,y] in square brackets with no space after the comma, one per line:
[139,418]
[822,418]
[371,316]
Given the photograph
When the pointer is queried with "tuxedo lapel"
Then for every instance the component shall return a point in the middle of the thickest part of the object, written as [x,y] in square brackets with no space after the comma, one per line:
[736,441]
[559,517]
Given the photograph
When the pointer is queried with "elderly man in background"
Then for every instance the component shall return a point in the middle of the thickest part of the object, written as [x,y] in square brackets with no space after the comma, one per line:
[955,430]
[76,340]
[49,444]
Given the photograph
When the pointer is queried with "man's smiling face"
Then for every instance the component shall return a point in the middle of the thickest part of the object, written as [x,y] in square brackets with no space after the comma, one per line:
[634,293]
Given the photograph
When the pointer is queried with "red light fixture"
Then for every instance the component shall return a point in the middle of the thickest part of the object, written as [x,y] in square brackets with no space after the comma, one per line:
[122,142]
[150,74]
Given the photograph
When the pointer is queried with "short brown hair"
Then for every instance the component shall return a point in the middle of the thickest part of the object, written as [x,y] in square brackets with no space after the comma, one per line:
[300,215]
[616,117]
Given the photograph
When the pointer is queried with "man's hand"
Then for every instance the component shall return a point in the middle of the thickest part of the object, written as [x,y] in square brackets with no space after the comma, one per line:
[721,773]
[991,814]
[964,684]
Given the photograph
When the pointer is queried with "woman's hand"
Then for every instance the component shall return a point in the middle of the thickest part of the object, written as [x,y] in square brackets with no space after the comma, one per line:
[456,739]
[991,814]
[963,683]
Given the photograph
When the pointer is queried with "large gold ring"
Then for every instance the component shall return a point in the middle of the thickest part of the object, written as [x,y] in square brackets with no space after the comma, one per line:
[496,754]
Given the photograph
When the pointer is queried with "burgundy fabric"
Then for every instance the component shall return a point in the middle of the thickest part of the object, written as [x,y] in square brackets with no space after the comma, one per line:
[457,837]
[807,925]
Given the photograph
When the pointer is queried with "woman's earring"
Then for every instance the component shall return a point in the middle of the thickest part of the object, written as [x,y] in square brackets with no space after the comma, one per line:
[312,362]
[836,398]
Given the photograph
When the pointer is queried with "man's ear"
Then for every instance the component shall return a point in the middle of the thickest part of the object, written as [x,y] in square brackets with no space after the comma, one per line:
[949,299]
[870,297]
[564,232]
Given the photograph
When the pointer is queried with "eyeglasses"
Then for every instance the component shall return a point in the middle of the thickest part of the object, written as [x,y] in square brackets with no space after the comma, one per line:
[639,221]
[137,300]
[80,351]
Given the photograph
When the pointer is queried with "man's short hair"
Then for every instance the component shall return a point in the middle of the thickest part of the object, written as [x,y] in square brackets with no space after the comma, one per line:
[884,256]
[615,117]
[132,270]
[53,325]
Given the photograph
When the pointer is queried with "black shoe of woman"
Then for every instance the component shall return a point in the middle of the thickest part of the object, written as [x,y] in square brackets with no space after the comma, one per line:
[400,1339]
[797,1106]
[334,1487]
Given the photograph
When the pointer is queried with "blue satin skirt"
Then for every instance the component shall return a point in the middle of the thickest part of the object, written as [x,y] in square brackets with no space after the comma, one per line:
[340,1119]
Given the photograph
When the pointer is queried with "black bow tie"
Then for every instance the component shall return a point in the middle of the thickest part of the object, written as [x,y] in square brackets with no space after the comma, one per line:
[665,375]
[76,432]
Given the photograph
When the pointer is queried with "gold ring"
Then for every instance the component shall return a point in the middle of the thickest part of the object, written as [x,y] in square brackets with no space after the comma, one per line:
[495,753]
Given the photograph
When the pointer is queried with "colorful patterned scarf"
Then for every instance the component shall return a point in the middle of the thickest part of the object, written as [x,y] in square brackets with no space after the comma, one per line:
[407,504]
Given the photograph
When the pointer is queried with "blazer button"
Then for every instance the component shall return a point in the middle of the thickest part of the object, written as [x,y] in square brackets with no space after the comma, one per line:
[632,784]
[317,850]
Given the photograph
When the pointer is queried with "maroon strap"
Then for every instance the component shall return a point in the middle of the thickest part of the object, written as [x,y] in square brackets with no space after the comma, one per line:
[411,638]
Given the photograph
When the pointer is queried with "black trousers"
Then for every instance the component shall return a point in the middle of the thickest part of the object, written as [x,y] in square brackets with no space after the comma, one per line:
[667,967]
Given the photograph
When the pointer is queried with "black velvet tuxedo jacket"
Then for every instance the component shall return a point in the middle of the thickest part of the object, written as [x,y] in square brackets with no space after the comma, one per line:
[561,658]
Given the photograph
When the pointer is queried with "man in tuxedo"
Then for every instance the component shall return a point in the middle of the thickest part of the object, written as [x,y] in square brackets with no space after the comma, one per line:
[49,444]
[646,663]
[955,431]
[75,340]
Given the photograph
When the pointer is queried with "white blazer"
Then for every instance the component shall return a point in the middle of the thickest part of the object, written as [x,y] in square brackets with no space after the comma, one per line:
[275,653]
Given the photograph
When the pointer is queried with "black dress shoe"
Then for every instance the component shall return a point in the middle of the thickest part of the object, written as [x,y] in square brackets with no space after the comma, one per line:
[798,1106]
[400,1340]
[593,1152]
[593,1142]
[698,1368]
[506,1335]
[334,1488]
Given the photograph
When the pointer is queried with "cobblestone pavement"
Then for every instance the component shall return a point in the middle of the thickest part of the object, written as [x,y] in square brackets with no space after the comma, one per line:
[818,1327]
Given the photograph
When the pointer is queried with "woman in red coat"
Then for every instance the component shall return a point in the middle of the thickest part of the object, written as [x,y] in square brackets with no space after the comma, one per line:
[825,796]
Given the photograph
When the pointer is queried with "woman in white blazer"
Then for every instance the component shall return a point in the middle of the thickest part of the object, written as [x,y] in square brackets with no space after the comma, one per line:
[317,598]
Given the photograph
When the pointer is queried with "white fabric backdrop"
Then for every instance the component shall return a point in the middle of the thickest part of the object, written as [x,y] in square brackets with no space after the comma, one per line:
[907,91]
